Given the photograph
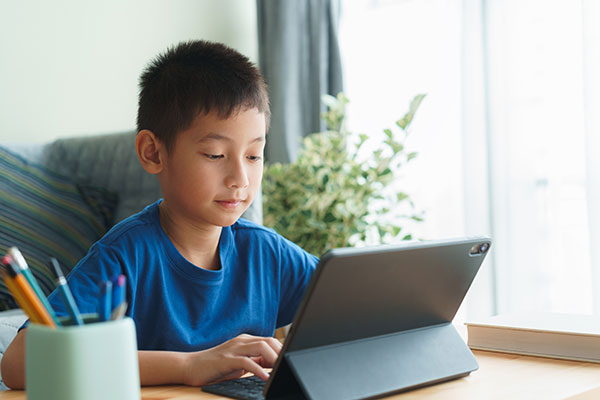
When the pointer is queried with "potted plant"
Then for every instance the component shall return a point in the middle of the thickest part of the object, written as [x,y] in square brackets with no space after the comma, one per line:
[340,192]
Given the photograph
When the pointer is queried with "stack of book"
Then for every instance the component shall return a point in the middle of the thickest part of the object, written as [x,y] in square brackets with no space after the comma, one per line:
[567,336]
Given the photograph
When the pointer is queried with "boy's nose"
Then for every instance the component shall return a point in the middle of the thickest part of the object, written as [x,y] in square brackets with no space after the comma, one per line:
[237,177]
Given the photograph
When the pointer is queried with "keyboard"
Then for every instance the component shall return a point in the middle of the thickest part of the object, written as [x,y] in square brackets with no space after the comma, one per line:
[249,388]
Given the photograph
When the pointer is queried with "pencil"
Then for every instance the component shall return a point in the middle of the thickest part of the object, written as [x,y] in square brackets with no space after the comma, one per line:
[22,264]
[19,298]
[15,279]
[64,290]
[119,305]
[105,301]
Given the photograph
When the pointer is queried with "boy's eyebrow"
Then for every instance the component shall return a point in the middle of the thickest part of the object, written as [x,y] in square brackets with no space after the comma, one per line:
[218,136]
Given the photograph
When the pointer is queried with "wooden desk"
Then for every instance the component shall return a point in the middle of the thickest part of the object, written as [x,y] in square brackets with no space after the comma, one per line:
[500,376]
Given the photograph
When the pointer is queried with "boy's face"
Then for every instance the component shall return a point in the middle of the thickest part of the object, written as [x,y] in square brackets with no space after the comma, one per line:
[215,167]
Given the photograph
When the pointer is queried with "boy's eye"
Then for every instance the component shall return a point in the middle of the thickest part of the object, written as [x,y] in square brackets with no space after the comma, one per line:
[213,156]
[254,158]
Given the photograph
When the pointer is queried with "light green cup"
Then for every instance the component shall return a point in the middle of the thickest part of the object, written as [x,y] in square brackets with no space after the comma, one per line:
[95,361]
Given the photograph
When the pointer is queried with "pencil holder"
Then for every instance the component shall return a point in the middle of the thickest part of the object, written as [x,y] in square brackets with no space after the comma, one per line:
[95,361]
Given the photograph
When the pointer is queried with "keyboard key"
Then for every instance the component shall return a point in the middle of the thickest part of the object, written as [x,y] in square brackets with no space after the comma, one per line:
[249,388]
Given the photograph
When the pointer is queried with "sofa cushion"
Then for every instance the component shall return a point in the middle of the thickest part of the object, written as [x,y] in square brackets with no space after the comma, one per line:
[45,215]
[108,161]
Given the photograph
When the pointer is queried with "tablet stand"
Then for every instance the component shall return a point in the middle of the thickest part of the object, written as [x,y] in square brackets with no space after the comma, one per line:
[374,366]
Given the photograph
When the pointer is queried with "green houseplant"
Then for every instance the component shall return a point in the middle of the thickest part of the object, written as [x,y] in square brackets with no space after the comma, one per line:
[339,191]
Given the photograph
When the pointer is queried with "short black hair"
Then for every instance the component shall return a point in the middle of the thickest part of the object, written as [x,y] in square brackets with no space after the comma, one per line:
[197,77]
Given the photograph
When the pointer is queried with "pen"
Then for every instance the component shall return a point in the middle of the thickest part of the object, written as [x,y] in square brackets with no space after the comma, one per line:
[119,305]
[22,264]
[65,291]
[105,301]
[24,294]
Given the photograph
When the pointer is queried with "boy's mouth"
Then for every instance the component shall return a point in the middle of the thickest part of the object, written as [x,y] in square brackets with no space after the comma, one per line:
[230,203]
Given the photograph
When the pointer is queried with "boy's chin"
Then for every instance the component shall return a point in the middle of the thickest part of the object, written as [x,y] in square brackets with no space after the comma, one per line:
[229,220]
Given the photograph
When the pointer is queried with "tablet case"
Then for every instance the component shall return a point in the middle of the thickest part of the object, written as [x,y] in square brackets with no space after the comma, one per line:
[375,321]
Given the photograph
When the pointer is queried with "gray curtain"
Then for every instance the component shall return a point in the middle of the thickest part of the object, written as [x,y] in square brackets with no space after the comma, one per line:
[299,57]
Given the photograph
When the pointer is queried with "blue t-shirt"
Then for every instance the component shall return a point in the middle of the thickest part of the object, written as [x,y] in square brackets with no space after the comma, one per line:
[178,306]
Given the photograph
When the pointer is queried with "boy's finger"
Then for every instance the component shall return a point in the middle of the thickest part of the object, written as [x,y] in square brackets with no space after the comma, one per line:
[259,349]
[271,341]
[247,364]
[274,343]
[246,337]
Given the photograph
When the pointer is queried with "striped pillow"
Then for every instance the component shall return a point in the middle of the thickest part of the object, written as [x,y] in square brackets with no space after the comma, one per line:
[47,215]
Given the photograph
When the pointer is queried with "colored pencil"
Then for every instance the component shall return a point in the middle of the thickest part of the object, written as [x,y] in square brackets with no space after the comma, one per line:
[65,292]
[21,263]
[105,301]
[24,305]
[119,305]
[22,290]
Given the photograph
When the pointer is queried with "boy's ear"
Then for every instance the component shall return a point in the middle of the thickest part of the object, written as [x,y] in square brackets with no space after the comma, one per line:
[150,151]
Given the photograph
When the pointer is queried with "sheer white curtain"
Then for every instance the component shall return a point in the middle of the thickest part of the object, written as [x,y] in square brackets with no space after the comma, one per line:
[508,136]
[393,50]
[591,93]
[541,57]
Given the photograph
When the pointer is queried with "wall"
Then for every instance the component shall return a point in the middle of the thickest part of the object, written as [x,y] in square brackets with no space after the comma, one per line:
[71,67]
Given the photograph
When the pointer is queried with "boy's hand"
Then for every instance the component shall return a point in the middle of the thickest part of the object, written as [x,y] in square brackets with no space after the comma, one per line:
[232,359]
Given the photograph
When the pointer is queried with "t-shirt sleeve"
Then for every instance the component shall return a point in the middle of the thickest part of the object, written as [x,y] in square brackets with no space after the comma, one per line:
[297,267]
[99,265]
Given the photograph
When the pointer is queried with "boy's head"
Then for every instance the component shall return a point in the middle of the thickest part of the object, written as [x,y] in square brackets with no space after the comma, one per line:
[194,78]
[202,120]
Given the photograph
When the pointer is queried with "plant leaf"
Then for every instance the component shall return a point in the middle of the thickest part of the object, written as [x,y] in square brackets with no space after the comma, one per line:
[401,196]
[405,121]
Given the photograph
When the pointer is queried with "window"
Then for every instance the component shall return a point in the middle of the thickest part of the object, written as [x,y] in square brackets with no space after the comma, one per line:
[507,137]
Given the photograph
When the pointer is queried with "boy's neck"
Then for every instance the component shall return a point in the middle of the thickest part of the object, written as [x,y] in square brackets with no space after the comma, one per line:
[197,244]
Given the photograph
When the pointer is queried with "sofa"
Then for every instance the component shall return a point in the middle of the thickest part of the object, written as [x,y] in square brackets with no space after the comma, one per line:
[98,181]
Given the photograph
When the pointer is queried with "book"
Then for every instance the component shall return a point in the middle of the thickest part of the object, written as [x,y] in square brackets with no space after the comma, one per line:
[566,336]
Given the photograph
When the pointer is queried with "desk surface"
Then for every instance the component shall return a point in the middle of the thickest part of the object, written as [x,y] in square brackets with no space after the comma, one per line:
[500,376]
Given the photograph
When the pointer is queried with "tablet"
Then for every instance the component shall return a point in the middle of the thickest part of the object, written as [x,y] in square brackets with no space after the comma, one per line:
[377,320]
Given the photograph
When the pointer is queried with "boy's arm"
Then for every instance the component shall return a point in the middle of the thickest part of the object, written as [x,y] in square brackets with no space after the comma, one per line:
[232,359]
[13,362]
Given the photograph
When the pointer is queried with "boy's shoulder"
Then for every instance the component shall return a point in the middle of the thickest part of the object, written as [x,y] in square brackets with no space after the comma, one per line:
[134,227]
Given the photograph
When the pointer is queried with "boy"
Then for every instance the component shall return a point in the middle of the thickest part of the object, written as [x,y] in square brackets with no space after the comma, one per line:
[205,289]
